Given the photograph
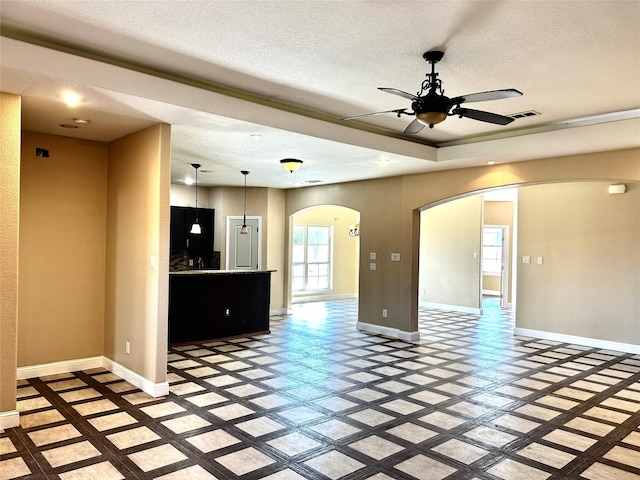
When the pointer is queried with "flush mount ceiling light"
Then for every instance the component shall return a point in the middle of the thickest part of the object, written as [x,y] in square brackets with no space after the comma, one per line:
[244,230]
[195,228]
[291,164]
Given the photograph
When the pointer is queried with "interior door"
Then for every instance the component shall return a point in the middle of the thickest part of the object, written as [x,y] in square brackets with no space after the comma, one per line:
[243,250]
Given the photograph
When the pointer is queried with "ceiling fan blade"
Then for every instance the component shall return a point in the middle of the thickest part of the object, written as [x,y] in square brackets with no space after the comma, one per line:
[400,93]
[397,111]
[483,116]
[414,127]
[484,96]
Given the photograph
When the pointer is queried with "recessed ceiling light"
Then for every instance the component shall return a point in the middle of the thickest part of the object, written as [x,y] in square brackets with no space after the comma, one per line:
[71,99]
[256,137]
[491,162]
[80,121]
[188,181]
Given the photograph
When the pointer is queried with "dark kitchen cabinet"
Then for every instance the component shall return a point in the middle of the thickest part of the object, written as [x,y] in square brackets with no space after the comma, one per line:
[196,246]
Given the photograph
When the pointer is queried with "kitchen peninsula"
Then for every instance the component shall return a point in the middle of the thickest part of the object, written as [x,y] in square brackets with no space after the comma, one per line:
[211,304]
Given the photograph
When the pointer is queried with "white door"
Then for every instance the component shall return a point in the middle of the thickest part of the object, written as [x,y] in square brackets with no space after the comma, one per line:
[243,250]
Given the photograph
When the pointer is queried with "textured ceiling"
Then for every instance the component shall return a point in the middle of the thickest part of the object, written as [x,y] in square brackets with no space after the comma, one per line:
[222,71]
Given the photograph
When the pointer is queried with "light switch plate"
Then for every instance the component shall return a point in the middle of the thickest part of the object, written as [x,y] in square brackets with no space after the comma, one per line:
[372,266]
[395,257]
[526,259]
[372,255]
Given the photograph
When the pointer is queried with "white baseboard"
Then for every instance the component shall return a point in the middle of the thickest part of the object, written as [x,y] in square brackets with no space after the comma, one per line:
[144,384]
[68,366]
[451,308]
[277,311]
[388,332]
[9,419]
[323,297]
[64,366]
[587,342]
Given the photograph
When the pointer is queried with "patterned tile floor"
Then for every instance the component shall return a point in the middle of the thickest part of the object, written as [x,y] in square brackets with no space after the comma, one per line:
[317,399]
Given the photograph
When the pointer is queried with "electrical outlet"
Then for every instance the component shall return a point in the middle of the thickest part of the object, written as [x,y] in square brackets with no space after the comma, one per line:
[526,259]
[372,266]
[540,260]
[372,256]
[384,313]
[127,347]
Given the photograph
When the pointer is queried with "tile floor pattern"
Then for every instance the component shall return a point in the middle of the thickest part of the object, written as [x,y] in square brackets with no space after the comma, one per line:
[317,399]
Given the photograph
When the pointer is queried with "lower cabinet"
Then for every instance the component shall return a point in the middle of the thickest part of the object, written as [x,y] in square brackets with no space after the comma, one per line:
[206,307]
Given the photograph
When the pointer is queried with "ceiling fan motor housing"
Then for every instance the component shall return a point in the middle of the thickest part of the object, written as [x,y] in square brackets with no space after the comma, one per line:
[432,108]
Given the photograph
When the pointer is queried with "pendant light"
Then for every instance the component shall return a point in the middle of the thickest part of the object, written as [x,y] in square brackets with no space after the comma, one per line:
[195,228]
[244,230]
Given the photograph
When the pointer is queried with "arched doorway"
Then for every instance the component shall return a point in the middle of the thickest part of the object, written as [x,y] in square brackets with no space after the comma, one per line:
[324,254]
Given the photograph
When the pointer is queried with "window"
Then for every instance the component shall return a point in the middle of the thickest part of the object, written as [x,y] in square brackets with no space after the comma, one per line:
[312,253]
[492,251]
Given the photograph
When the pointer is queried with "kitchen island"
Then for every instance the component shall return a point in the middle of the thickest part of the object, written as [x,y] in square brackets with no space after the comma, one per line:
[208,305]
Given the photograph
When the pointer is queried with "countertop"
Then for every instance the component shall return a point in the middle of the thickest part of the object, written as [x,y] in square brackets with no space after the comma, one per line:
[220,272]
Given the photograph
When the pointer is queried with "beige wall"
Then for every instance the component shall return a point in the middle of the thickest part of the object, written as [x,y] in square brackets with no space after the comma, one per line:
[346,249]
[450,248]
[501,213]
[390,221]
[9,247]
[137,258]
[589,282]
[273,231]
[63,213]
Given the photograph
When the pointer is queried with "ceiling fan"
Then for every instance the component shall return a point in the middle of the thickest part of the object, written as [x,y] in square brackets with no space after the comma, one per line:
[430,106]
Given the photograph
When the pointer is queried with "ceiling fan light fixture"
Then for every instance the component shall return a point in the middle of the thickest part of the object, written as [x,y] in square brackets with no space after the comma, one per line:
[291,164]
[431,118]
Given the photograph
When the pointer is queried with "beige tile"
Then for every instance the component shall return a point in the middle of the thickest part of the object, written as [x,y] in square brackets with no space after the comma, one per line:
[97,406]
[74,452]
[132,437]
[185,388]
[606,414]
[120,387]
[77,395]
[371,417]
[213,440]
[245,461]
[53,434]
[162,409]
[490,436]
[106,377]
[336,404]
[334,464]
[431,398]
[286,474]
[557,402]
[538,412]
[156,457]
[138,398]
[231,412]
[202,372]
[571,440]
[185,423]
[13,468]
[460,451]
[335,429]
[195,472]
[222,380]
[206,399]
[6,446]
[600,471]
[411,432]
[66,384]
[40,418]
[293,444]
[28,391]
[574,393]
[589,426]
[547,455]
[402,407]
[418,465]
[511,470]
[442,420]
[633,439]
[623,455]
[376,447]
[621,404]
[114,420]
[259,426]
[516,423]
[468,409]
[32,404]
[97,471]
[270,401]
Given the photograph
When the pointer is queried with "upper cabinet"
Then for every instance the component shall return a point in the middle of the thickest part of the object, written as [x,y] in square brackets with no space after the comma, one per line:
[196,246]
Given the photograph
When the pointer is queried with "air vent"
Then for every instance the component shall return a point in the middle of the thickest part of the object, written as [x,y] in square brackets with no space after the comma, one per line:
[530,113]
[313,181]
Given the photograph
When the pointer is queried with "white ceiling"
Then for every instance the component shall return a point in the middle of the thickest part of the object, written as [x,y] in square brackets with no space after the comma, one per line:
[222,71]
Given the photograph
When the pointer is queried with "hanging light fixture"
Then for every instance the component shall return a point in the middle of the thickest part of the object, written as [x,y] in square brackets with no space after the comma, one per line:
[291,164]
[244,230]
[195,228]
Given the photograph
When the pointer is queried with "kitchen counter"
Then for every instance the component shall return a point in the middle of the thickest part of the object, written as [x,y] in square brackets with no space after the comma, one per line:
[207,305]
